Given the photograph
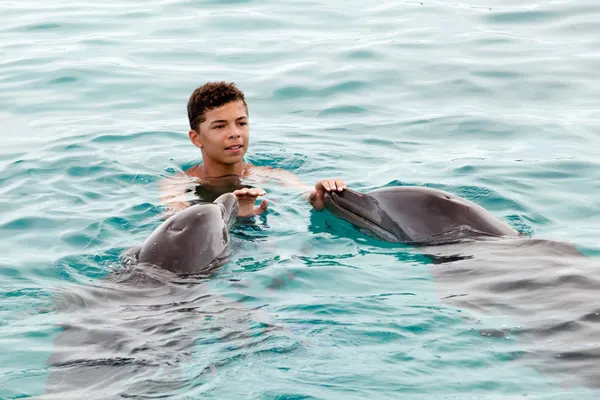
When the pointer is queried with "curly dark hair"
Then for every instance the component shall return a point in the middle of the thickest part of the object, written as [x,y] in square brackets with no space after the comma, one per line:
[209,96]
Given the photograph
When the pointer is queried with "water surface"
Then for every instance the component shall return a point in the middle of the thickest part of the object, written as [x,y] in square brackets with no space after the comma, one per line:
[495,102]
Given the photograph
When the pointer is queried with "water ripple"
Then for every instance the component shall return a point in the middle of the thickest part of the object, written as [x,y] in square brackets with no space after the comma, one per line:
[495,102]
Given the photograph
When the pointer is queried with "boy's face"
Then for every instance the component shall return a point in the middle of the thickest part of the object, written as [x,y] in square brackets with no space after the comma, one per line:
[224,134]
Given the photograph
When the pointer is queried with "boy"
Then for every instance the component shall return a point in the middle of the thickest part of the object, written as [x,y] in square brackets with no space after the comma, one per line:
[219,127]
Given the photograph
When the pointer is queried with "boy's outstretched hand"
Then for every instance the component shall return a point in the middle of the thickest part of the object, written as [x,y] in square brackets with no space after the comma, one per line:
[316,198]
[247,199]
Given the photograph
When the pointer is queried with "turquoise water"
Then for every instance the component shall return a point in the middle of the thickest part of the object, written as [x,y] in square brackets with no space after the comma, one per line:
[493,101]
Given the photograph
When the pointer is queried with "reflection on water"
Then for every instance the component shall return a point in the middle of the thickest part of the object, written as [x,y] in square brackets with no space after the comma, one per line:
[208,190]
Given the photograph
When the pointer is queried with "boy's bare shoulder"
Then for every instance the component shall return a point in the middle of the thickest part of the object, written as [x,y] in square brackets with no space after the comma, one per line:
[286,177]
[177,182]
[269,171]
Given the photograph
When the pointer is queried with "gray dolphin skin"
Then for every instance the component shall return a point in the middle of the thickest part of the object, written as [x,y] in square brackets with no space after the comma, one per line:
[128,324]
[545,291]
[193,240]
[415,215]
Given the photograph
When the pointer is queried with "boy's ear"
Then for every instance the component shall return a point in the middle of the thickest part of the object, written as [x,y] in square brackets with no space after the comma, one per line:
[195,138]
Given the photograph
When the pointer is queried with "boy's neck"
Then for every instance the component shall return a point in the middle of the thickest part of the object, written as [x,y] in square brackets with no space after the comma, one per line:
[210,169]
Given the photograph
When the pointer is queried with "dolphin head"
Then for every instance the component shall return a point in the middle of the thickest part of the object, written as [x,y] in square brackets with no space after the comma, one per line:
[415,215]
[363,211]
[193,240]
[228,204]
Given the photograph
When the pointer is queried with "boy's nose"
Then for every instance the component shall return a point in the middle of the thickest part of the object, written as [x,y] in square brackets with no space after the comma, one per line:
[234,133]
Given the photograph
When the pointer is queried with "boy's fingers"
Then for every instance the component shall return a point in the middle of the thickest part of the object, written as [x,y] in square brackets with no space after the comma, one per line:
[262,207]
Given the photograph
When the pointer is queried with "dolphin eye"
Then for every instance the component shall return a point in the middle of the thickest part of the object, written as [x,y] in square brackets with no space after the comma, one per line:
[173,228]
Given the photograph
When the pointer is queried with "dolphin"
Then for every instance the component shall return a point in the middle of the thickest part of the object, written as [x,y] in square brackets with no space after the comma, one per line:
[132,332]
[546,291]
[191,241]
[415,215]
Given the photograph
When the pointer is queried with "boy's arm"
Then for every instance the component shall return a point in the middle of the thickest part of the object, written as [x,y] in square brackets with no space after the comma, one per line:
[172,192]
[313,194]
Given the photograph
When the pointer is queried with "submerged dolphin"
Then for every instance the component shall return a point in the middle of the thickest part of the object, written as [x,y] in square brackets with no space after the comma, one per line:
[130,332]
[192,241]
[545,291]
[415,215]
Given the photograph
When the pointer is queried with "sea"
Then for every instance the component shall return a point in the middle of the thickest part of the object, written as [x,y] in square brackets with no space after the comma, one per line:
[495,101]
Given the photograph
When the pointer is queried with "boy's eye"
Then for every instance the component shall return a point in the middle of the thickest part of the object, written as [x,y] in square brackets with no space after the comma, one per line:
[243,123]
[219,126]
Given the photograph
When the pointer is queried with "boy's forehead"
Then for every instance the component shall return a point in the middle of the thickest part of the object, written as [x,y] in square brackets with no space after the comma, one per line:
[234,109]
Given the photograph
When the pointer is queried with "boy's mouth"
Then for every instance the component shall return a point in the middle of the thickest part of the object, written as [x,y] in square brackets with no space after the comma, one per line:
[234,147]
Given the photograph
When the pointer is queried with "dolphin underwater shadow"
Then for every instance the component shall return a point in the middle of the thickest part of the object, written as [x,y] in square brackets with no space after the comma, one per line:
[131,333]
[548,288]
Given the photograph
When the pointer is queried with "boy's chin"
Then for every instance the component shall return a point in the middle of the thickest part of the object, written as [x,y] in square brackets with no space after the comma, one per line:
[233,159]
